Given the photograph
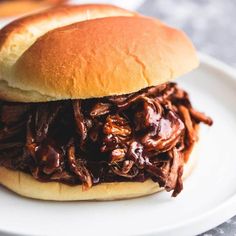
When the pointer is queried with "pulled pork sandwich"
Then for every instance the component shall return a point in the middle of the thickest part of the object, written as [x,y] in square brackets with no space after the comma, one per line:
[88,110]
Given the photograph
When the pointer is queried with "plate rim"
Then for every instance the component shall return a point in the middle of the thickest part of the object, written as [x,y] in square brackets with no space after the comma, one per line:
[208,219]
[223,211]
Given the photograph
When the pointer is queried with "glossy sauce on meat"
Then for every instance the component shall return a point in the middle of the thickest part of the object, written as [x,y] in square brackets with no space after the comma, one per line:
[129,137]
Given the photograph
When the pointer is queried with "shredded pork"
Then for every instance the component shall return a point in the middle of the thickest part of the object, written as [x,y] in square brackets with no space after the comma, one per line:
[131,137]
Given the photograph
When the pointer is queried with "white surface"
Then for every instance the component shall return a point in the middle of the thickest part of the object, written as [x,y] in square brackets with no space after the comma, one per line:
[131,5]
[208,199]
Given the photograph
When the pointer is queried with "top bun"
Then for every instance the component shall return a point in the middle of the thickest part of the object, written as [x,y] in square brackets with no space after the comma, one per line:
[18,36]
[14,8]
[95,58]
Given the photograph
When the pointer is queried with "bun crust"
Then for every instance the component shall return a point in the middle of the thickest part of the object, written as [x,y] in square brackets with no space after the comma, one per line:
[19,35]
[13,8]
[95,58]
[25,185]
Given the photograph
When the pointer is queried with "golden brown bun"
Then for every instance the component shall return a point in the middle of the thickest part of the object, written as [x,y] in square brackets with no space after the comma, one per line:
[96,58]
[19,7]
[19,35]
[25,185]
[14,8]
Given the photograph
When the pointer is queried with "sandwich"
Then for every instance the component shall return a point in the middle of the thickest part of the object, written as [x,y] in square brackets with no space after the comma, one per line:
[89,109]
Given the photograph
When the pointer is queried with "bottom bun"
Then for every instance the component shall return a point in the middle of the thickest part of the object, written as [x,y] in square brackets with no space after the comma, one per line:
[25,185]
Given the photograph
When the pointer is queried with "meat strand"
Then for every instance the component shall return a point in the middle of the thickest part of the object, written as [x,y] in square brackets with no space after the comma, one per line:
[132,137]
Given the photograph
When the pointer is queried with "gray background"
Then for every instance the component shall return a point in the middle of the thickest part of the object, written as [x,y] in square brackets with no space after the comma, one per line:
[211,24]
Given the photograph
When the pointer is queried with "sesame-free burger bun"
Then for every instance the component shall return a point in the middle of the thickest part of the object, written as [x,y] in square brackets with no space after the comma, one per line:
[19,35]
[97,58]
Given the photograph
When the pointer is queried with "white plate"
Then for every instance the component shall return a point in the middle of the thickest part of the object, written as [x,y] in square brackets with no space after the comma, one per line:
[209,195]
